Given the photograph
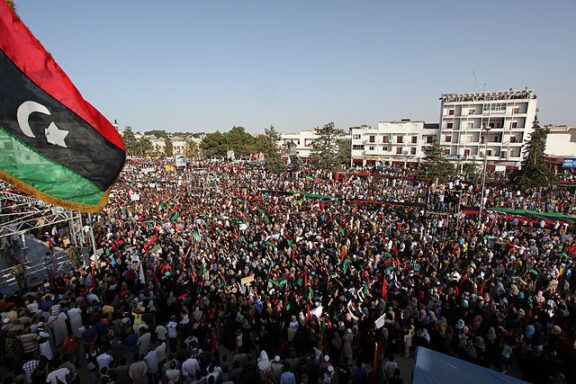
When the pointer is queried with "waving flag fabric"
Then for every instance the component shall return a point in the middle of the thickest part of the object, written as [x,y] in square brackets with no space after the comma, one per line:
[53,143]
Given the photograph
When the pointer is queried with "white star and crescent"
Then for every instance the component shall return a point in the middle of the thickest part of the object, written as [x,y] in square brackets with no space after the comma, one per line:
[54,135]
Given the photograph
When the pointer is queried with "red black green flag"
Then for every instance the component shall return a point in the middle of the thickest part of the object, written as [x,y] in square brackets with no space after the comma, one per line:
[53,143]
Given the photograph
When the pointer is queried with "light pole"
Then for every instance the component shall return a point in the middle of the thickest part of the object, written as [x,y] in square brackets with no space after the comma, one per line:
[487,129]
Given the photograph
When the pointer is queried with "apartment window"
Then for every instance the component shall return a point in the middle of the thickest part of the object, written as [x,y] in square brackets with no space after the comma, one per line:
[414,139]
[513,139]
[400,139]
[430,140]
[471,111]
[451,112]
[372,139]
[356,137]
[470,125]
[448,139]
[358,147]
[494,108]
[399,151]
[412,151]
[449,125]
[489,152]
[514,124]
[515,111]
[385,139]
[371,148]
[466,152]
[385,148]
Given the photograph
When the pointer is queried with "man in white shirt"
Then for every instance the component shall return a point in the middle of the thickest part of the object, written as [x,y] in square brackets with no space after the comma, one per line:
[161,332]
[104,360]
[172,333]
[143,341]
[390,367]
[58,376]
[189,368]
[152,362]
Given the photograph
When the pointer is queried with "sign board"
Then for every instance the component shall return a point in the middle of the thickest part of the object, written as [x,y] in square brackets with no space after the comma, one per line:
[379,323]
[569,163]
[247,280]
[500,168]
[134,197]
[180,161]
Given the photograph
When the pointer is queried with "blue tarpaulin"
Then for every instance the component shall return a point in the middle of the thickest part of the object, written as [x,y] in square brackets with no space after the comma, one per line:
[437,368]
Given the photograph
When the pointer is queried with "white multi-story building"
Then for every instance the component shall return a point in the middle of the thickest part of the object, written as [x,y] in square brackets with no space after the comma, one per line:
[504,119]
[392,142]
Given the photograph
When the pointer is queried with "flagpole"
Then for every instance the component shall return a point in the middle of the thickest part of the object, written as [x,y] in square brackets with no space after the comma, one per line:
[93,241]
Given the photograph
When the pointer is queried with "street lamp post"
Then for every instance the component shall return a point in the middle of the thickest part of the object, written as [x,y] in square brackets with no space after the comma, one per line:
[487,129]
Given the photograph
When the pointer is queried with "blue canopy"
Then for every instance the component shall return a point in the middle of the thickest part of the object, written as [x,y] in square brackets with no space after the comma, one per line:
[437,368]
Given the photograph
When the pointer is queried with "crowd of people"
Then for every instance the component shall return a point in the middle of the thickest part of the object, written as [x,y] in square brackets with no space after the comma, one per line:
[243,276]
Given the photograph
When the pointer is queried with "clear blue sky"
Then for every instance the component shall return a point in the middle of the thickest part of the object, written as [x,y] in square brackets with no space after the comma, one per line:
[207,65]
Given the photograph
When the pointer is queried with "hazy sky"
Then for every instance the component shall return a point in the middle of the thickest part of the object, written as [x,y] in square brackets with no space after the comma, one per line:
[206,65]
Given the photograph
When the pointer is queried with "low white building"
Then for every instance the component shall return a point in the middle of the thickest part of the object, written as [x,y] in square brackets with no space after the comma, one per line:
[561,141]
[392,142]
[299,143]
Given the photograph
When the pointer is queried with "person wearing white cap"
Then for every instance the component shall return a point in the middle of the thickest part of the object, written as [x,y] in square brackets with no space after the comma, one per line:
[328,375]
[44,345]
[276,368]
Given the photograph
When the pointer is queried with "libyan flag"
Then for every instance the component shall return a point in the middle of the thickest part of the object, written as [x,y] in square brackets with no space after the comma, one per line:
[53,143]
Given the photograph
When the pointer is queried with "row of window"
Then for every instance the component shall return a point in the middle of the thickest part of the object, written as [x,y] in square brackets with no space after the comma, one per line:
[512,125]
[385,139]
[492,139]
[399,150]
[488,109]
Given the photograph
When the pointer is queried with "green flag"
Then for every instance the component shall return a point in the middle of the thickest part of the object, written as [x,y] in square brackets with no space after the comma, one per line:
[344,265]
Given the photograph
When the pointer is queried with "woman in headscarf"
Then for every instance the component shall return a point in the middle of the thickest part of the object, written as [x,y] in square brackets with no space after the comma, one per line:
[264,366]
[292,328]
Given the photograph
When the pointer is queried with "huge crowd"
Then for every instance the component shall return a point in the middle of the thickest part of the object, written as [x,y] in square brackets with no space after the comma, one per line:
[242,276]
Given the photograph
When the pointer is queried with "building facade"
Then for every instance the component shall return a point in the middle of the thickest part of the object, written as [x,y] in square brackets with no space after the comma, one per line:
[561,141]
[392,143]
[495,123]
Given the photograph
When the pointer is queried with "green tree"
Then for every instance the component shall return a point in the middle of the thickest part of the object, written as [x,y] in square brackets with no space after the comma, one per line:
[535,171]
[240,141]
[214,145]
[168,147]
[144,146]
[273,159]
[468,168]
[344,153]
[157,132]
[130,141]
[325,152]
[436,165]
[192,151]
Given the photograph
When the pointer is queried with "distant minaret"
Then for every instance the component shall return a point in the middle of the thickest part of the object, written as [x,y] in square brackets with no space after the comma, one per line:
[115,125]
